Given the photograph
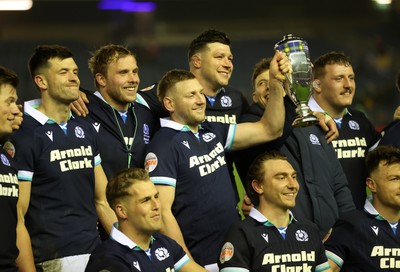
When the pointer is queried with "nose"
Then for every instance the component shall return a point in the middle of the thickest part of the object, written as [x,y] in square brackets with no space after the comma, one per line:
[200,99]
[292,183]
[156,204]
[227,62]
[133,77]
[15,110]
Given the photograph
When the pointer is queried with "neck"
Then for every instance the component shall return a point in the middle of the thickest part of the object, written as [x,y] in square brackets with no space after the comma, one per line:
[389,213]
[57,111]
[332,111]
[141,239]
[277,216]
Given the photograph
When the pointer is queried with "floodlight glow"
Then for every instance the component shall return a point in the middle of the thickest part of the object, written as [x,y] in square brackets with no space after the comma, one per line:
[127,5]
[15,4]
[383,2]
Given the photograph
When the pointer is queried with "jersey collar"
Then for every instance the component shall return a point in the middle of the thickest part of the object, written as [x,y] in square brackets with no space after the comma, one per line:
[259,217]
[121,238]
[370,209]
[312,103]
[30,108]
[168,123]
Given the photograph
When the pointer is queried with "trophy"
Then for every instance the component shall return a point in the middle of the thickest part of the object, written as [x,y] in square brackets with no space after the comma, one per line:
[300,80]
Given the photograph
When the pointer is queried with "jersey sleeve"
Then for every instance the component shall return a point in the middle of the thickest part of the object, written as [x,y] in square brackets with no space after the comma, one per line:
[24,144]
[180,257]
[338,243]
[235,253]
[161,162]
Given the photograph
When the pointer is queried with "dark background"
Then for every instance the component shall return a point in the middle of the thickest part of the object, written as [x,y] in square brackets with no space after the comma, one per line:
[367,33]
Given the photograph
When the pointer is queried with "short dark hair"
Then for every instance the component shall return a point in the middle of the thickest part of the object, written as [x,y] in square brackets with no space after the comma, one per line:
[208,36]
[117,187]
[257,171]
[8,76]
[170,79]
[42,55]
[259,68]
[106,54]
[328,59]
[385,153]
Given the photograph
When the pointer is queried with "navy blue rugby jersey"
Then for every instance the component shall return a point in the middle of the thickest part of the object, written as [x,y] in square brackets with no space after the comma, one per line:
[61,218]
[205,204]
[357,136]
[364,241]
[256,245]
[122,144]
[120,254]
[8,212]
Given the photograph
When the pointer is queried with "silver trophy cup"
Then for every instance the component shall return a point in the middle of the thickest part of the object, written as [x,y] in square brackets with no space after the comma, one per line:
[299,89]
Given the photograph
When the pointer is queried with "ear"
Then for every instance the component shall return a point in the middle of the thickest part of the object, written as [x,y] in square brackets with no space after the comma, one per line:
[254,97]
[257,187]
[169,104]
[196,61]
[120,211]
[316,84]
[101,80]
[371,184]
[41,82]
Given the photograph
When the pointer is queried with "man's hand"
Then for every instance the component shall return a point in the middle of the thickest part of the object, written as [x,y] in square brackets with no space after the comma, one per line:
[246,205]
[327,124]
[280,67]
[18,118]
[79,105]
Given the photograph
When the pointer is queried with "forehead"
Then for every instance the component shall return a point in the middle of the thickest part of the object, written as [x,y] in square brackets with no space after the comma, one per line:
[188,86]
[338,69]
[389,169]
[7,90]
[218,47]
[264,75]
[57,63]
[273,167]
[141,189]
[124,61]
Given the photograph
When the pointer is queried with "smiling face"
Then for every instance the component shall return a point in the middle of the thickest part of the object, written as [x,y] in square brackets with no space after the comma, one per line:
[335,90]
[279,186]
[385,186]
[215,66]
[261,89]
[186,103]
[119,86]
[61,80]
[142,208]
[8,108]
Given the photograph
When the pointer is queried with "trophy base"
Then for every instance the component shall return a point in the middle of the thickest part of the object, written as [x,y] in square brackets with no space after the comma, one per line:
[305,121]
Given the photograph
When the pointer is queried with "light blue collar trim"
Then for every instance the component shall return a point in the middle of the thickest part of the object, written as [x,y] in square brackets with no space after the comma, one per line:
[30,108]
[259,217]
[369,208]
[98,94]
[168,123]
[121,238]
[312,103]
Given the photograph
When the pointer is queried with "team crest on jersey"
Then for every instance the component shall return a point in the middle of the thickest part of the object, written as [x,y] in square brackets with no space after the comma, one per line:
[146,133]
[301,236]
[161,253]
[314,139]
[96,126]
[354,125]
[226,101]
[79,133]
[226,252]
[4,160]
[9,148]
[207,137]
[150,162]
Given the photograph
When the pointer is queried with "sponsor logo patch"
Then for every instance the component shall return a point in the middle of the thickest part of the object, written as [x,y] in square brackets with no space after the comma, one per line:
[226,252]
